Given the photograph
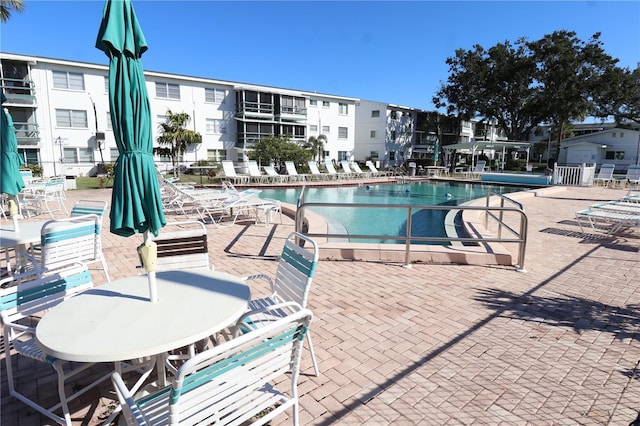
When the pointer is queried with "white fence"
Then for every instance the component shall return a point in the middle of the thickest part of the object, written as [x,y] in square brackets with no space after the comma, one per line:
[574,175]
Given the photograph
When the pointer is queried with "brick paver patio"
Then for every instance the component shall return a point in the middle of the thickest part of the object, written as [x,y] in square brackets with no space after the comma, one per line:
[443,344]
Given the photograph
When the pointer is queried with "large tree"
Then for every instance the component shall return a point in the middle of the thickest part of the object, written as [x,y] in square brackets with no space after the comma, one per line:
[174,134]
[620,97]
[278,149]
[7,7]
[495,84]
[571,76]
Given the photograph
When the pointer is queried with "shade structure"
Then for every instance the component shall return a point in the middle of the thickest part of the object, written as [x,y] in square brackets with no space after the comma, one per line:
[10,161]
[136,204]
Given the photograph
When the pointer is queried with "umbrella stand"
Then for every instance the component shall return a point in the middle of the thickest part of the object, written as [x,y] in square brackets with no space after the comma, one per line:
[13,211]
[148,252]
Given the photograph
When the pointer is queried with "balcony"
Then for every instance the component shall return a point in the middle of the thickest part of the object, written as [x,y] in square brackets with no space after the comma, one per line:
[292,113]
[19,93]
[254,110]
[27,133]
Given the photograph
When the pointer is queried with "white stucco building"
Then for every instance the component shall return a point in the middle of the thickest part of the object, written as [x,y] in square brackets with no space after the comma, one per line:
[613,146]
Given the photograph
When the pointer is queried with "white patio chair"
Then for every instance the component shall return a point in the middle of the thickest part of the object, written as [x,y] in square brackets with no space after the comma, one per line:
[48,196]
[478,170]
[28,294]
[273,175]
[229,171]
[229,384]
[183,245]
[289,288]
[598,218]
[67,241]
[632,177]
[346,169]
[374,171]
[83,207]
[605,175]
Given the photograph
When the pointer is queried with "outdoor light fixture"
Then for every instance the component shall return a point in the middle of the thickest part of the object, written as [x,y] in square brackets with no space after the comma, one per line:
[604,147]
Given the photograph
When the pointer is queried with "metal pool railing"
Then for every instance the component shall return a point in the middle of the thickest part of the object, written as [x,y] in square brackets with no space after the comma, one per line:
[519,235]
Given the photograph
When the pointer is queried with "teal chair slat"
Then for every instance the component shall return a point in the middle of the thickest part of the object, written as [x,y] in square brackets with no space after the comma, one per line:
[81,210]
[305,265]
[67,234]
[47,289]
[230,363]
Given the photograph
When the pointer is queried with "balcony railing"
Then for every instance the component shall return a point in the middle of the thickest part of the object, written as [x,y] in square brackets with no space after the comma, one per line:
[254,108]
[27,133]
[18,91]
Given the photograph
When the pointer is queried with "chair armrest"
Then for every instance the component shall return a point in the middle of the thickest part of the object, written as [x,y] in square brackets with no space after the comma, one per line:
[243,323]
[265,277]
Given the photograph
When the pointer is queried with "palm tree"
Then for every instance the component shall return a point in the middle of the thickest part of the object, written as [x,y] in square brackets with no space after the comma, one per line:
[174,134]
[317,146]
[9,6]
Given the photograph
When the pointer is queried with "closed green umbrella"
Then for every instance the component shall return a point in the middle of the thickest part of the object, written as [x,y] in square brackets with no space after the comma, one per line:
[11,182]
[10,161]
[136,203]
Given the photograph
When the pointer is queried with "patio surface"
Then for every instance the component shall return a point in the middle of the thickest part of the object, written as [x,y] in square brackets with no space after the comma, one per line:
[439,343]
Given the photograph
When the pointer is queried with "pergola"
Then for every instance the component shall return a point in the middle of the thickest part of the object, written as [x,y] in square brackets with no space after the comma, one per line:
[476,147]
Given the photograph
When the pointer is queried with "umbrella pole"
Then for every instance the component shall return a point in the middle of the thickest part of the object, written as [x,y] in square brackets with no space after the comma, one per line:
[148,252]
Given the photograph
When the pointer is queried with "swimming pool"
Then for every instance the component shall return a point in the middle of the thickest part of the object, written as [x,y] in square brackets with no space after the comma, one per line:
[425,223]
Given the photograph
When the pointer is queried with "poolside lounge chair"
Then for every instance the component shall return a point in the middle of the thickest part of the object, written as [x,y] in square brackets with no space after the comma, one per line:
[293,173]
[346,169]
[254,173]
[316,173]
[605,175]
[332,171]
[478,170]
[230,173]
[244,203]
[273,175]
[358,171]
[233,383]
[618,207]
[599,218]
[374,170]
[632,177]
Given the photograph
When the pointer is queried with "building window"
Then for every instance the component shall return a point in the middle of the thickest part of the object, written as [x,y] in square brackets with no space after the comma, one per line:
[326,129]
[373,134]
[106,85]
[619,155]
[167,91]
[109,124]
[392,156]
[313,103]
[215,96]
[216,155]
[70,155]
[68,80]
[394,115]
[374,155]
[313,128]
[343,133]
[342,156]
[85,155]
[214,126]
[71,118]
[375,113]
[393,135]
[114,154]
[343,109]
[325,104]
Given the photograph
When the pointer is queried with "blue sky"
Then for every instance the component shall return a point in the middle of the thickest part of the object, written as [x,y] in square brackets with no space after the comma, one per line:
[388,51]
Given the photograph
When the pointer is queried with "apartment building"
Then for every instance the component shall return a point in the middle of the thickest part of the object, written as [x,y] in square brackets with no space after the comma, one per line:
[60,109]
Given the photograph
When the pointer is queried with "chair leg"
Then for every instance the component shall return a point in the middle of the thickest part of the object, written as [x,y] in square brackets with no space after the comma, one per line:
[313,355]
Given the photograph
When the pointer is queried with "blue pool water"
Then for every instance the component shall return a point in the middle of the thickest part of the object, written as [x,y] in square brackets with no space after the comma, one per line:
[424,223]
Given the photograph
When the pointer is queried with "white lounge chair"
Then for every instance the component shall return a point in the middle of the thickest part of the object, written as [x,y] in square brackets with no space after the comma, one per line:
[289,288]
[231,383]
[273,175]
[374,170]
[478,170]
[229,171]
[293,173]
[316,173]
[599,217]
[346,169]
[605,175]
[254,173]
[332,171]
[632,177]
[358,171]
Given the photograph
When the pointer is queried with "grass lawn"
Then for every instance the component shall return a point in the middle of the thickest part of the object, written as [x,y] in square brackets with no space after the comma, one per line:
[83,182]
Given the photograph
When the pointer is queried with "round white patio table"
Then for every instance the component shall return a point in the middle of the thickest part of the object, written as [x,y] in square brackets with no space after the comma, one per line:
[28,233]
[117,322]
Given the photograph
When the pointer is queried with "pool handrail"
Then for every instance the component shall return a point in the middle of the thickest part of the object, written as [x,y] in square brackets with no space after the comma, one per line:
[520,235]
